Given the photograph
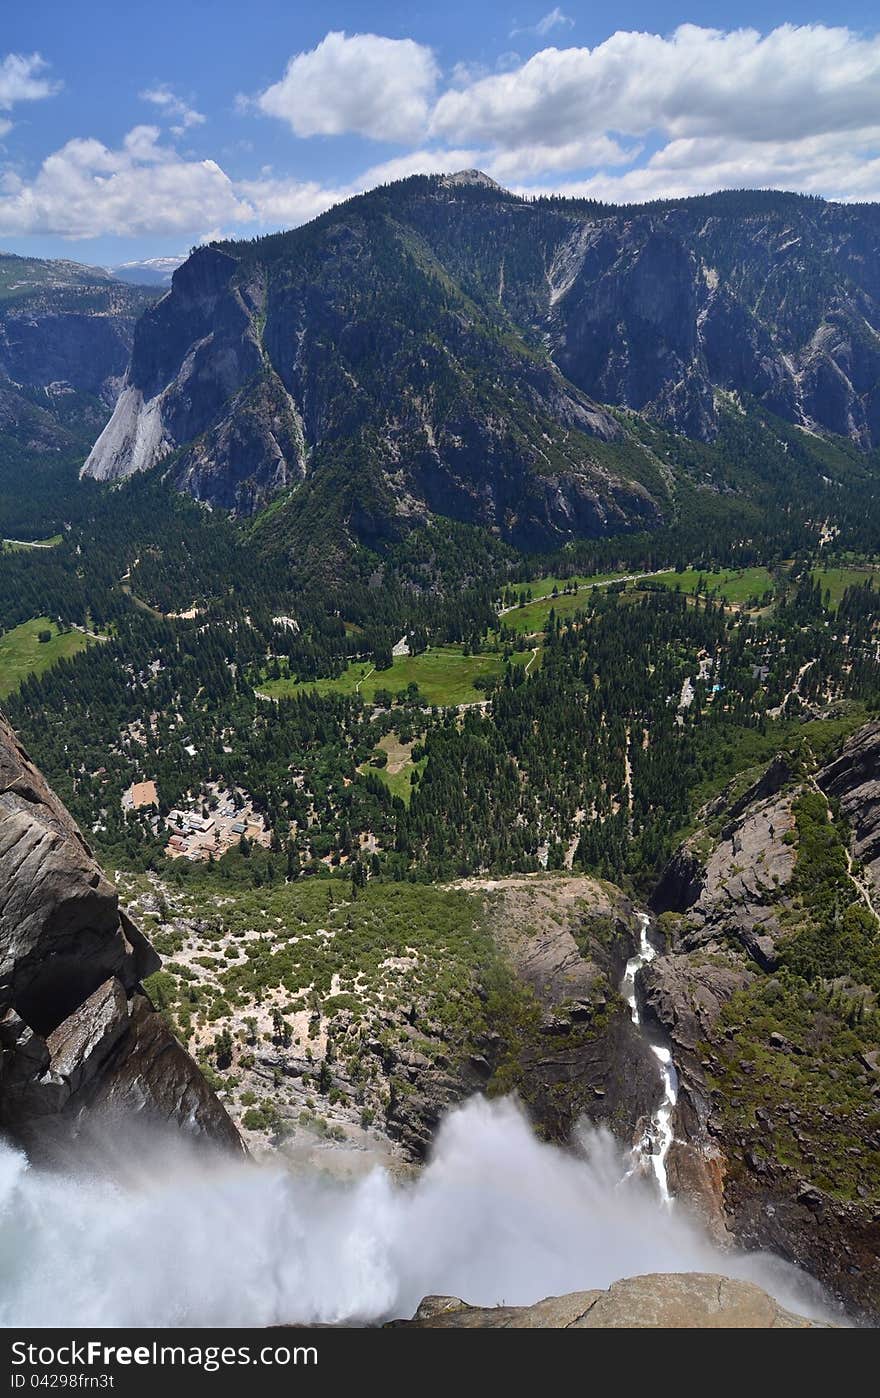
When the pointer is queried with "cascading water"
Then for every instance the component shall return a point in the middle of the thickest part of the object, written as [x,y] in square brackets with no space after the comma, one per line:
[652,1150]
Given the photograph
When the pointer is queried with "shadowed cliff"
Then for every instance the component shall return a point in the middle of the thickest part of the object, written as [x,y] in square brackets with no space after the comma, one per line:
[78,1035]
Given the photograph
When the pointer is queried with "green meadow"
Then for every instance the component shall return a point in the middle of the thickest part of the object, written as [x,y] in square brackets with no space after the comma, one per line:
[735,585]
[836,580]
[445,677]
[17,545]
[22,653]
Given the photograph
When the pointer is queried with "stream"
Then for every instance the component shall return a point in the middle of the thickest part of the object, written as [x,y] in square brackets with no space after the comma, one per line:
[651,1152]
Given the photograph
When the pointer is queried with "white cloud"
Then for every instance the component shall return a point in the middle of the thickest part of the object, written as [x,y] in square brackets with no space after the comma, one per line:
[793,82]
[181,113]
[285,203]
[22,79]
[526,161]
[360,83]
[638,117]
[418,162]
[555,19]
[87,190]
[844,166]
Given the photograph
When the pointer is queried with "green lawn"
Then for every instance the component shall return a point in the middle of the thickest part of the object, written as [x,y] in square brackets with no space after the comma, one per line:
[735,585]
[22,653]
[398,783]
[837,580]
[444,675]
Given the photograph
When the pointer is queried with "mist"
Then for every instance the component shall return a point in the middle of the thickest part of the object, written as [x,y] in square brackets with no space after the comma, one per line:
[173,1237]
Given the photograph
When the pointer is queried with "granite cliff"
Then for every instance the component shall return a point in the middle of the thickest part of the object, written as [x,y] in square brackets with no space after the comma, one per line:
[767,990]
[78,1034]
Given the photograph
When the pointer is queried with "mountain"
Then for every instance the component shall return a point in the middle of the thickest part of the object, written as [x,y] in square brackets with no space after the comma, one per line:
[442,346]
[78,1034]
[151,271]
[66,333]
[65,327]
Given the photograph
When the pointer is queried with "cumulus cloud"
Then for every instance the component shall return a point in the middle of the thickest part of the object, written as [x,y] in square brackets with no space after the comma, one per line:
[793,82]
[182,115]
[637,117]
[285,203]
[87,190]
[840,166]
[359,83]
[23,79]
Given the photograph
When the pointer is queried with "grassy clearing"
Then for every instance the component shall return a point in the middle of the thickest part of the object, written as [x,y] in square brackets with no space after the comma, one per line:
[22,653]
[17,545]
[736,586]
[445,677]
[836,580]
[533,617]
[398,772]
[543,587]
[399,783]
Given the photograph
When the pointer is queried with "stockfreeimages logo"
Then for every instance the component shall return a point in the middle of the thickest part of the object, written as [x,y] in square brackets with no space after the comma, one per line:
[75,1354]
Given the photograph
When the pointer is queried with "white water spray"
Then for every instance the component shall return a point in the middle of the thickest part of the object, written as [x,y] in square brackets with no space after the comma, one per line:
[653,1149]
[496,1217]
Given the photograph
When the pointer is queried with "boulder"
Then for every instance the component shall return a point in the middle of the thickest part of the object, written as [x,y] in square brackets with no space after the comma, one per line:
[665,1301]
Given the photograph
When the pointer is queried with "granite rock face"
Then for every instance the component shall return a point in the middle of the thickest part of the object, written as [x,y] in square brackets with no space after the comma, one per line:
[77,1031]
[853,779]
[727,904]
[665,1301]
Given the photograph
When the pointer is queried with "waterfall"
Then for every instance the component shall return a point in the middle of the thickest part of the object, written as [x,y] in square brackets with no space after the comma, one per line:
[651,1151]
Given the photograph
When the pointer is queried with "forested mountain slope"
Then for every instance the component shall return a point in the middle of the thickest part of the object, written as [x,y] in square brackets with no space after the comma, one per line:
[444,347]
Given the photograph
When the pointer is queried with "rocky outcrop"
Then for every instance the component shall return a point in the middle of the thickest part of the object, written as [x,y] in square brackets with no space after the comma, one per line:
[853,779]
[77,1031]
[568,941]
[763,1100]
[665,1301]
[560,1036]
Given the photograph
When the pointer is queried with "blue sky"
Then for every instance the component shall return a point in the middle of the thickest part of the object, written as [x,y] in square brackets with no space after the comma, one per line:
[131,131]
